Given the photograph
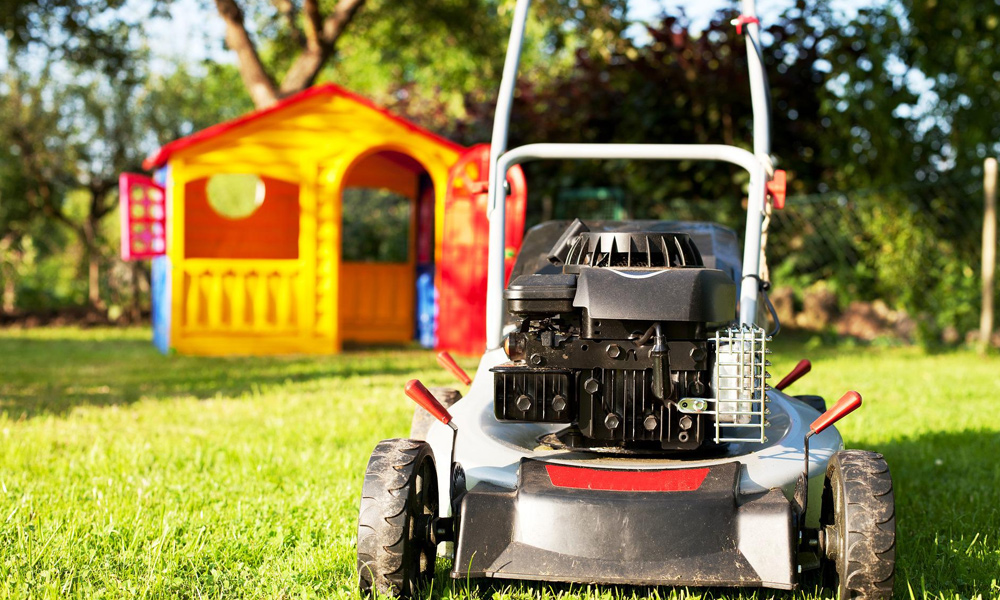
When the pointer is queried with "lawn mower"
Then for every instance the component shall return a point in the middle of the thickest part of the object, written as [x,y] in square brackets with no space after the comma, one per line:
[620,428]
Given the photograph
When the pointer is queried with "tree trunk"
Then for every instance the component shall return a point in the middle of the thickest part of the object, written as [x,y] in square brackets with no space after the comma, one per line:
[9,291]
[259,84]
[318,41]
[90,245]
[8,270]
[135,308]
[303,71]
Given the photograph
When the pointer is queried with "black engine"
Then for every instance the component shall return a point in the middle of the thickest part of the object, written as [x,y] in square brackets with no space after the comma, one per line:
[612,333]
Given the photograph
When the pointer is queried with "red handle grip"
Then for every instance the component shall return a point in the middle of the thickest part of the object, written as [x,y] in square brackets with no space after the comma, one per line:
[777,187]
[797,372]
[422,396]
[847,404]
[445,360]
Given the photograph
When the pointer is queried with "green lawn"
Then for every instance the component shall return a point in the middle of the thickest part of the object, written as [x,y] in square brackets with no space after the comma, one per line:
[124,473]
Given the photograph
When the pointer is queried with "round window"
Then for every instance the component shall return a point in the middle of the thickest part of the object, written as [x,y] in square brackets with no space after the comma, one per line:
[235,195]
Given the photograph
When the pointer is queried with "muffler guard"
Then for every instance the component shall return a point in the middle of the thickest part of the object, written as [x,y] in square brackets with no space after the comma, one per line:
[670,527]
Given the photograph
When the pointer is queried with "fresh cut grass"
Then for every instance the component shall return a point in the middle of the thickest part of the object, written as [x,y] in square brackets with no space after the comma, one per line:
[127,474]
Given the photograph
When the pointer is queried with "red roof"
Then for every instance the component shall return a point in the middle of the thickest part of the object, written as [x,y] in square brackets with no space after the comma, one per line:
[162,155]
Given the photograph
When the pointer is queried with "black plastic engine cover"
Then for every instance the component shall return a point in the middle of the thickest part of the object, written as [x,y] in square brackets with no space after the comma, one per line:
[687,294]
[541,294]
[584,352]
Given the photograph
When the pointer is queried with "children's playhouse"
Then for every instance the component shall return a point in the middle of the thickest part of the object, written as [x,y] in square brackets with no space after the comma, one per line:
[245,224]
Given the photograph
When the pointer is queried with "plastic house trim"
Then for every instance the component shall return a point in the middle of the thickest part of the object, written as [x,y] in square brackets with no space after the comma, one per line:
[275,282]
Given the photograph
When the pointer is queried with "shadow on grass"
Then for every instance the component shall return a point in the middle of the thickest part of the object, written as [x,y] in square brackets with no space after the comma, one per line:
[946,490]
[54,375]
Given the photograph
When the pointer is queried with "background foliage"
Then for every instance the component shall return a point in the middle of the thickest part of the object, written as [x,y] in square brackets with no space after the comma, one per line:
[875,107]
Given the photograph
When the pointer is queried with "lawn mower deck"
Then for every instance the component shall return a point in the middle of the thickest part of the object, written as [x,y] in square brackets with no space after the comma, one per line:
[722,517]
[620,427]
[651,527]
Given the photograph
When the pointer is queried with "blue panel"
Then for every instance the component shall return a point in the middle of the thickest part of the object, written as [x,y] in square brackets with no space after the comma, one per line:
[426,306]
[160,301]
[161,175]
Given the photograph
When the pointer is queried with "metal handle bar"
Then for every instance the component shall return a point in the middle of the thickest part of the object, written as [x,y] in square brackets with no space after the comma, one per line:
[496,209]
[500,160]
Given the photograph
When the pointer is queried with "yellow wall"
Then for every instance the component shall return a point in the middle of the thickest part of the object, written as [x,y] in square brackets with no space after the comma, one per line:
[225,306]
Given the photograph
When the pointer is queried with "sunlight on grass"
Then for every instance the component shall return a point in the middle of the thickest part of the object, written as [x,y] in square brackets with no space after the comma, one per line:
[124,473]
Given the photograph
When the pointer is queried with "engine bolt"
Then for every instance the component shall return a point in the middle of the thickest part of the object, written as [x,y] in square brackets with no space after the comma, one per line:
[698,354]
[685,422]
[536,359]
[591,386]
[559,403]
[650,423]
[614,350]
[523,402]
[612,421]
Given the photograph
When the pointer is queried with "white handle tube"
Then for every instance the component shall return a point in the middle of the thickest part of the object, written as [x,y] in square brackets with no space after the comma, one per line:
[505,97]
[498,145]
[758,91]
[714,152]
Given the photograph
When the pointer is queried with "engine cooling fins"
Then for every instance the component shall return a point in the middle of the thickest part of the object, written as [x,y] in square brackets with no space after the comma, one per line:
[632,250]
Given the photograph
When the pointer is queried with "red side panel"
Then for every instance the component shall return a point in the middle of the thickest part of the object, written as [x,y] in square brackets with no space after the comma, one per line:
[674,480]
[143,209]
[465,245]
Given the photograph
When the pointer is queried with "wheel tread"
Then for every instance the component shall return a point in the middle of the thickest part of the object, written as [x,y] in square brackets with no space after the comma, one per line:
[871,525]
[382,517]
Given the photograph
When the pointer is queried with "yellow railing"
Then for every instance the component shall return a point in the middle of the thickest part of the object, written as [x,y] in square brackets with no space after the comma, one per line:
[239,296]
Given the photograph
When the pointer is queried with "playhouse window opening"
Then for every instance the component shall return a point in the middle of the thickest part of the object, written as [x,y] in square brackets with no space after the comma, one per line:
[376,225]
[235,195]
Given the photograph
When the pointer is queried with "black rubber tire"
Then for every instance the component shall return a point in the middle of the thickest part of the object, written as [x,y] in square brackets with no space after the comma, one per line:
[399,500]
[859,526]
[422,420]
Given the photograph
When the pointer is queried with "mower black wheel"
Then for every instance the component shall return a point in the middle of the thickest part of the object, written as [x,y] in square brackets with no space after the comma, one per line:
[399,501]
[858,525]
[422,420]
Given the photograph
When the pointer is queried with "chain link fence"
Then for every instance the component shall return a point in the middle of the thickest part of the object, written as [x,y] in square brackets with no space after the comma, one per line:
[902,260]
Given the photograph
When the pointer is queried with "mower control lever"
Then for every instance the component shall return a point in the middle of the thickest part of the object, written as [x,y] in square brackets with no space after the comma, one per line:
[795,374]
[847,404]
[422,396]
[445,360]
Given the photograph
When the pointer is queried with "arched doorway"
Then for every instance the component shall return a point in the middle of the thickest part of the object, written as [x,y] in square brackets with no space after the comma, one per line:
[386,290]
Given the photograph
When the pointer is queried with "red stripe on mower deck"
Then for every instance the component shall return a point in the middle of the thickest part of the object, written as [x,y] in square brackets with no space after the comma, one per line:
[672,480]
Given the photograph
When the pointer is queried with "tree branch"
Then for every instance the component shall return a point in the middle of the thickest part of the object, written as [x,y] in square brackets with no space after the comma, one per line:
[313,23]
[288,10]
[304,70]
[321,41]
[39,195]
[100,191]
[342,15]
[259,84]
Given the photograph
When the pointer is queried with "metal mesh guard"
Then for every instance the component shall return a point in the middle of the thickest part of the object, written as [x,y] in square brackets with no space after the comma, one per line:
[741,384]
